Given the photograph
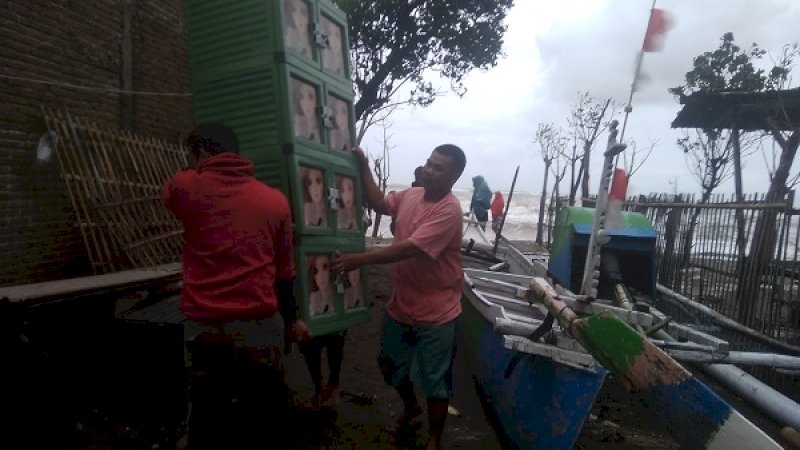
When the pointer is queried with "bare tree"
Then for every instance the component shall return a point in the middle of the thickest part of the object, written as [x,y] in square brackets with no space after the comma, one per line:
[708,156]
[571,156]
[559,169]
[550,142]
[586,123]
[381,166]
[673,183]
[633,158]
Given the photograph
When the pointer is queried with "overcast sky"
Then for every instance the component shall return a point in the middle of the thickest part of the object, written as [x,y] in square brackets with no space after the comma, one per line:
[555,49]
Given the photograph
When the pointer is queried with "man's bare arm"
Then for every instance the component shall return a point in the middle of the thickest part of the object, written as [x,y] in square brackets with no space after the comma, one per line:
[373,192]
[393,253]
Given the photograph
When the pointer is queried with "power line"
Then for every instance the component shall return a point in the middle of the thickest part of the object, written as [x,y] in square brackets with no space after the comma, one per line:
[96,89]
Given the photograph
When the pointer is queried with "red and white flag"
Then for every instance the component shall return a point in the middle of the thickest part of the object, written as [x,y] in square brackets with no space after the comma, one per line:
[657,28]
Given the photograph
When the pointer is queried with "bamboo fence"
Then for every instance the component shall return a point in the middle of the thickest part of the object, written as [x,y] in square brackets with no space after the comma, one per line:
[113,178]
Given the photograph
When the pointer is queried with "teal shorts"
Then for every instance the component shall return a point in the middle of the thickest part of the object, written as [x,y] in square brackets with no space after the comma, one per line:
[421,353]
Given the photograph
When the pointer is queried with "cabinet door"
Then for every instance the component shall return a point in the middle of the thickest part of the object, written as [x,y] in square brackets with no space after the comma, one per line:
[298,26]
[326,193]
[334,53]
[340,134]
[349,214]
[305,104]
[329,301]
[314,207]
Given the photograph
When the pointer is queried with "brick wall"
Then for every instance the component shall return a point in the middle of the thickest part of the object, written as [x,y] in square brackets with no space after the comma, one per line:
[76,42]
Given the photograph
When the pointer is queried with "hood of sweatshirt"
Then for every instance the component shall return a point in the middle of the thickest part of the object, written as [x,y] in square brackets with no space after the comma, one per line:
[226,167]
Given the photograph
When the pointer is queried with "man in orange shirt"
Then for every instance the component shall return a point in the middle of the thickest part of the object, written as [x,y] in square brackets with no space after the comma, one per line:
[419,329]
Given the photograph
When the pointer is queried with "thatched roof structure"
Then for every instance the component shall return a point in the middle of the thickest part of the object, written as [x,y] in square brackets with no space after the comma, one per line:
[748,111]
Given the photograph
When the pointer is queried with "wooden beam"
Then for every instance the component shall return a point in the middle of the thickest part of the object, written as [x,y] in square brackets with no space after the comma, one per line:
[50,291]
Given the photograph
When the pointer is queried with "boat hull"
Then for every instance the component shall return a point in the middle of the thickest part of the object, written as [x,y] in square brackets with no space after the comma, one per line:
[542,404]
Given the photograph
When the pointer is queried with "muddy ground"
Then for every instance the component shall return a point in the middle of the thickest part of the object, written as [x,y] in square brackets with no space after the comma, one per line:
[100,388]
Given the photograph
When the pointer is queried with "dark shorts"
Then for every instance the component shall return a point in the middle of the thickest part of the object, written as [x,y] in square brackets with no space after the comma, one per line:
[422,353]
[261,341]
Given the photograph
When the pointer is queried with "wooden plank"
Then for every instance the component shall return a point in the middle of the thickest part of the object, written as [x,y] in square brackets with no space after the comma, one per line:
[95,284]
[166,312]
[123,227]
[573,359]
[85,189]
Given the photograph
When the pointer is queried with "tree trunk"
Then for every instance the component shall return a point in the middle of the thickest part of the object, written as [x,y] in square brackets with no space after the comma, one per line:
[671,229]
[542,201]
[765,234]
[689,237]
[572,184]
[552,210]
[587,150]
[737,178]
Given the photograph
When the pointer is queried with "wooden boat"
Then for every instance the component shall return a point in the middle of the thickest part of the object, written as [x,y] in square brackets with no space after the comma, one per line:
[540,383]
[543,399]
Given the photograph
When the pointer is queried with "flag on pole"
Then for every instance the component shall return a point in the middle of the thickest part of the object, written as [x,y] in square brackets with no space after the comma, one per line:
[656,30]
[616,197]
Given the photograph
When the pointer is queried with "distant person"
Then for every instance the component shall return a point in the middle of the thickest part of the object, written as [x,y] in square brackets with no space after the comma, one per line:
[481,200]
[419,327]
[237,295]
[324,393]
[416,183]
[417,177]
[320,302]
[498,204]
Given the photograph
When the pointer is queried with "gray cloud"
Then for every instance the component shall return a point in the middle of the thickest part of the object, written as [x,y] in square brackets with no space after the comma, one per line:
[549,59]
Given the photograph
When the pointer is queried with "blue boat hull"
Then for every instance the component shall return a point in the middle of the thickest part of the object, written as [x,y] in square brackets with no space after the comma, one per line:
[543,404]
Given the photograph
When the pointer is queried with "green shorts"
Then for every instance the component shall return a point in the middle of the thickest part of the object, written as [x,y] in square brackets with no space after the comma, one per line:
[422,353]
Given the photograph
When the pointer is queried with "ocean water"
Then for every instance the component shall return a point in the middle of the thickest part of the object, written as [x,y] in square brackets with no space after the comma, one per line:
[523,215]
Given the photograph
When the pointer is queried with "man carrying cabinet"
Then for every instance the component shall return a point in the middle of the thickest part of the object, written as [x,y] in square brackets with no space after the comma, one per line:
[237,296]
[419,329]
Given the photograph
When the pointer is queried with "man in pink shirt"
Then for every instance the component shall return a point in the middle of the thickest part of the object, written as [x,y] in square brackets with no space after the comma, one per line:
[419,328]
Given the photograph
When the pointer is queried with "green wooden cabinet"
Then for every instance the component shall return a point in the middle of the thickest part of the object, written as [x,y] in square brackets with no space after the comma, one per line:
[278,73]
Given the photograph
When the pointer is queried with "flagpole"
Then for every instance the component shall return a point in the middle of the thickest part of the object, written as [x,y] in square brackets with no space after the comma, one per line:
[639,58]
